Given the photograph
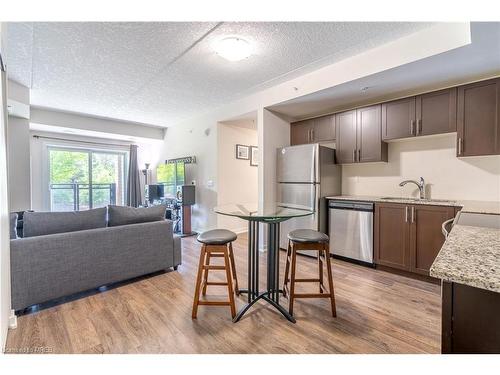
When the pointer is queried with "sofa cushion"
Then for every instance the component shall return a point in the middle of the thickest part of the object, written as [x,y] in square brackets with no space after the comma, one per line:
[42,223]
[13,226]
[121,215]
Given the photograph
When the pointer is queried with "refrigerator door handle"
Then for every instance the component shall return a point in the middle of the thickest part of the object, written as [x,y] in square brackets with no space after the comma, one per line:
[316,165]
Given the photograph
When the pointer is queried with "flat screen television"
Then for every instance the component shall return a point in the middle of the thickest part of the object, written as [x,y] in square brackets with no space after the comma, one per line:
[155,192]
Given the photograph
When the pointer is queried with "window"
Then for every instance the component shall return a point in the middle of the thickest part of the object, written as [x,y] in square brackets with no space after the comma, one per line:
[171,176]
[81,179]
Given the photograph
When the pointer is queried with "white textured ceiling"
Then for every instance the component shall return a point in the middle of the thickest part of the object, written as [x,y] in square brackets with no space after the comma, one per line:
[478,60]
[161,73]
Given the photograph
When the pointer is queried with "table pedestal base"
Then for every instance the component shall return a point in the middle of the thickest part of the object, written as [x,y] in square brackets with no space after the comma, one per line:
[264,296]
[272,294]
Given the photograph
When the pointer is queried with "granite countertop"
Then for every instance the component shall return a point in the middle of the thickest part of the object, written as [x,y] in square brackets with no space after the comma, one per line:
[470,256]
[483,207]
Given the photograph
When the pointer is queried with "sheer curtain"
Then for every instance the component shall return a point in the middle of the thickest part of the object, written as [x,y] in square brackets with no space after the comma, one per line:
[134,195]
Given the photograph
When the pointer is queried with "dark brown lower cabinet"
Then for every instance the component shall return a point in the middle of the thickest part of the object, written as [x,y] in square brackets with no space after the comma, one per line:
[426,237]
[408,237]
[470,321]
[392,236]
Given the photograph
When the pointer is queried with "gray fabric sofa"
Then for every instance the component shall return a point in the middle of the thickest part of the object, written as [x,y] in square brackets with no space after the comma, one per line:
[49,266]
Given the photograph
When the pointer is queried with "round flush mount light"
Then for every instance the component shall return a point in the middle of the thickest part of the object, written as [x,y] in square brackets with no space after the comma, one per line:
[233,48]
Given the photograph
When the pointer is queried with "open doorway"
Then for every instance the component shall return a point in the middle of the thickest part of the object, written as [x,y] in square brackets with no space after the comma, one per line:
[237,167]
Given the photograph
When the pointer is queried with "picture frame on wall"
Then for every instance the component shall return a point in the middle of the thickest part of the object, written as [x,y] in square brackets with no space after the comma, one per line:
[254,156]
[242,152]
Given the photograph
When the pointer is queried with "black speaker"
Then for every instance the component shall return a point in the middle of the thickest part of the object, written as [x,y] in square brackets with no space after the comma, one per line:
[187,194]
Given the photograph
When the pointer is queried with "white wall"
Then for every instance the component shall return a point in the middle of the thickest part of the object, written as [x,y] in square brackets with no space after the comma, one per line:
[4,209]
[95,126]
[18,92]
[18,140]
[433,158]
[18,145]
[237,179]
[274,132]
[196,138]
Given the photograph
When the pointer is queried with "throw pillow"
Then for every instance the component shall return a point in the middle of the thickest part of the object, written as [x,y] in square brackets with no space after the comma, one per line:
[43,223]
[120,215]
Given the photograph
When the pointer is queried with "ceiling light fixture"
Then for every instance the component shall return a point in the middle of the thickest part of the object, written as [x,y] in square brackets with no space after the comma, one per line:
[233,48]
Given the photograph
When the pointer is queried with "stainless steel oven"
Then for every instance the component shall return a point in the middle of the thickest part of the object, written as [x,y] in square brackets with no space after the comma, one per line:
[351,230]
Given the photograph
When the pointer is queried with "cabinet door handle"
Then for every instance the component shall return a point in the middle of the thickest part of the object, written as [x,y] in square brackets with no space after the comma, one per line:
[412,125]
[359,155]
[412,214]
[354,156]
[312,135]
[406,214]
[419,126]
[459,146]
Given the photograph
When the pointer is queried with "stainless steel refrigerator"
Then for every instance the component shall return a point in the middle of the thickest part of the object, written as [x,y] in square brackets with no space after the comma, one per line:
[306,175]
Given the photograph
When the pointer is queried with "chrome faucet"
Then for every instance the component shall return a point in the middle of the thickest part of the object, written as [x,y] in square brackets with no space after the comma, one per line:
[420,185]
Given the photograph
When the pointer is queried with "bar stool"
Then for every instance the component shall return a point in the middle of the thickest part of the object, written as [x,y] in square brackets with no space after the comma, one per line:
[216,243]
[307,239]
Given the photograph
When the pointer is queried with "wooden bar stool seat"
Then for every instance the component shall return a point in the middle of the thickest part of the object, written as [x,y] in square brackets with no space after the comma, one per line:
[216,243]
[307,239]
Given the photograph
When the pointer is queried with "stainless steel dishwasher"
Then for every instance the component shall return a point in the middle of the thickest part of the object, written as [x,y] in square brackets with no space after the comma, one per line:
[351,230]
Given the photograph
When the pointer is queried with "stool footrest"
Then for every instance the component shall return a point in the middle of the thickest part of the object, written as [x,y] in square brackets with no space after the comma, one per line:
[307,280]
[214,267]
[311,295]
[215,283]
[215,303]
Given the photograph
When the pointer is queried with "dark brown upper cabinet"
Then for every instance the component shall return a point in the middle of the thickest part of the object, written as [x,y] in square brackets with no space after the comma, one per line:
[436,112]
[321,129]
[398,119]
[369,137]
[324,129]
[346,146]
[359,136]
[478,119]
[472,110]
[432,113]
[300,132]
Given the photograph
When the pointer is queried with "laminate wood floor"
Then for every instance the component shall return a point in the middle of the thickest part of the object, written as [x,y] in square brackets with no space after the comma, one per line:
[377,312]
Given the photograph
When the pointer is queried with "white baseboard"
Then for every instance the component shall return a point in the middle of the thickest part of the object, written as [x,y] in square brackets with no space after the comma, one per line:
[12,320]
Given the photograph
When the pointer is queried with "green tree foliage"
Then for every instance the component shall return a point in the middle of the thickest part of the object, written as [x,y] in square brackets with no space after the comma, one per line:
[68,167]
[171,175]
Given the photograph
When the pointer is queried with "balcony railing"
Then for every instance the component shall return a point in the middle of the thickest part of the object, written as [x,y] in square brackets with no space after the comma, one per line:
[79,196]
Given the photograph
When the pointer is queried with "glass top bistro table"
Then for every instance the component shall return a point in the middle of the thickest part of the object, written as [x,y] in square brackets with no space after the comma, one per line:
[272,215]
